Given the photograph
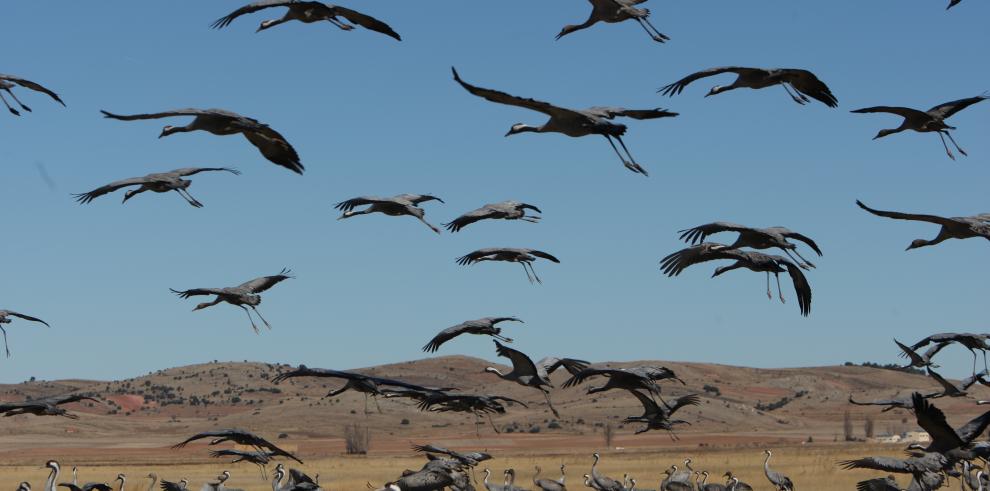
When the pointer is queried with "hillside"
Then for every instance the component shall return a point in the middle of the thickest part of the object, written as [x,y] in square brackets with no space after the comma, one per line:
[152,411]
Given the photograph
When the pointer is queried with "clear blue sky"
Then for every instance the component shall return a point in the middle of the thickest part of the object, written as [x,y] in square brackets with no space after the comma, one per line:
[370,115]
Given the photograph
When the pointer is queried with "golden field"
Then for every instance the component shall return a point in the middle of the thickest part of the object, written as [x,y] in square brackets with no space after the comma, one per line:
[811,467]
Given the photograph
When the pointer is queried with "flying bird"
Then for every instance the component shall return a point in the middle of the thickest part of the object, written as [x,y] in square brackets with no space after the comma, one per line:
[971,341]
[658,417]
[366,384]
[484,326]
[468,458]
[536,375]
[804,83]
[240,437]
[506,210]
[44,407]
[8,82]
[525,257]
[677,262]
[221,122]
[632,378]
[932,120]
[952,228]
[755,238]
[309,12]
[240,295]
[5,316]
[403,204]
[162,182]
[573,122]
[612,11]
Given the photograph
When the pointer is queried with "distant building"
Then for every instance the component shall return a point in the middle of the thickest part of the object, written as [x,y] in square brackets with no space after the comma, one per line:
[915,437]
[886,439]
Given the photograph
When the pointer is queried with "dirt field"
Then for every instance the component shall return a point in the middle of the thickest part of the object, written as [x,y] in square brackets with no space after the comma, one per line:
[812,467]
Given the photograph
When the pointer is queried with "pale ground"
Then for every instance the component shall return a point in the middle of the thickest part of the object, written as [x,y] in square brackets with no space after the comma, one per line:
[811,467]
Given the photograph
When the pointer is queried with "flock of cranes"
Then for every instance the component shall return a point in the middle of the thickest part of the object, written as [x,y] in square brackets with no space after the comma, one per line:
[951,449]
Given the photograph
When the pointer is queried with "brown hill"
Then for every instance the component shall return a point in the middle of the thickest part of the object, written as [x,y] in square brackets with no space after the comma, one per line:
[738,405]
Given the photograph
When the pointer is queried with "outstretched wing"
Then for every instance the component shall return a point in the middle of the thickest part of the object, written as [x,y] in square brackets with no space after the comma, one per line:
[25,317]
[27,84]
[688,400]
[520,362]
[650,407]
[700,233]
[904,112]
[366,21]
[350,204]
[675,263]
[58,401]
[808,84]
[801,286]
[910,353]
[171,486]
[250,8]
[504,98]
[473,257]
[165,114]
[542,254]
[932,420]
[259,285]
[878,484]
[678,86]
[620,112]
[585,374]
[974,428]
[83,198]
[470,217]
[274,147]
[205,434]
[444,336]
[304,371]
[877,463]
[946,110]
[790,234]
[197,291]
[188,171]
[907,216]
[572,365]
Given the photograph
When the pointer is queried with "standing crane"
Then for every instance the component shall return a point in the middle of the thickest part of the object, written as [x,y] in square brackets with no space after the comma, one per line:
[272,145]
[780,481]
[930,121]
[309,12]
[572,122]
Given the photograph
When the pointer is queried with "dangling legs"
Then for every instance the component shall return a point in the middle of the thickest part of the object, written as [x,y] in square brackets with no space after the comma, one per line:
[489,416]
[956,144]
[189,199]
[806,262]
[660,37]
[800,264]
[340,24]
[248,312]
[262,318]
[546,394]
[538,280]
[12,110]
[376,404]
[528,277]
[796,99]
[18,101]
[779,293]
[635,167]
[623,159]
[949,153]
[769,296]
[5,341]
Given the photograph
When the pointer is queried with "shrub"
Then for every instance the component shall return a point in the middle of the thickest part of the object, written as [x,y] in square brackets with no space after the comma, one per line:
[357,439]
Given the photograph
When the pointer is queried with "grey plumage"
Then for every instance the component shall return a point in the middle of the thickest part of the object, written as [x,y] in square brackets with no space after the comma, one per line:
[5,316]
[484,326]
[161,182]
[8,82]
[522,256]
[612,11]
[505,210]
[244,295]
[309,12]
[403,204]
[803,83]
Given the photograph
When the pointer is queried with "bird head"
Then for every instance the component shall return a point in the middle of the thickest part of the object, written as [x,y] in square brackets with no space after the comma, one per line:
[520,128]
[202,306]
[265,24]
[51,464]
[129,194]
[167,130]
[121,477]
[768,452]
[492,370]
[916,244]
[719,270]
[715,90]
[884,133]
[24,486]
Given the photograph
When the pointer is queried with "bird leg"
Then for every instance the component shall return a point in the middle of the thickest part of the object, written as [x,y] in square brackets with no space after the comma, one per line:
[956,144]
[375,398]
[528,277]
[530,219]
[635,167]
[538,280]
[769,296]
[18,101]
[796,98]
[188,197]
[12,110]
[779,293]
[340,24]
[947,151]
[663,37]
[509,340]
[5,346]
[806,262]
[269,326]
[546,394]
[248,312]
[428,225]
[629,165]
[653,34]
[803,264]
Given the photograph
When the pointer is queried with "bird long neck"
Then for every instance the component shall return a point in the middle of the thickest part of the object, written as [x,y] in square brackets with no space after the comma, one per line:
[485,481]
[495,371]
[122,482]
[75,476]
[766,464]
[562,476]
[537,475]
[52,477]
[277,480]
[154,480]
